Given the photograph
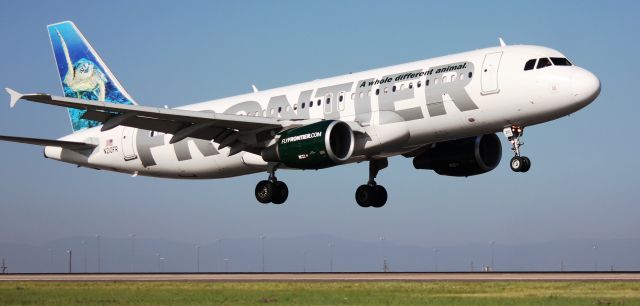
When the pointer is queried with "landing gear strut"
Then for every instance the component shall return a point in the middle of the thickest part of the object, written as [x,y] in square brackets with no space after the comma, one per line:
[272,190]
[518,163]
[372,194]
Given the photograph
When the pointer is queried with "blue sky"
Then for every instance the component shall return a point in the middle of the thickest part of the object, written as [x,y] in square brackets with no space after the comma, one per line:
[583,182]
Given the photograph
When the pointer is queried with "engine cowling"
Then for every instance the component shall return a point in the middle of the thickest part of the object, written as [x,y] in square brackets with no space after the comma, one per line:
[315,146]
[462,157]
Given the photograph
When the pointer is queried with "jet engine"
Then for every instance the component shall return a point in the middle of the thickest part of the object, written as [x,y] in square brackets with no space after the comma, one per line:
[462,157]
[315,146]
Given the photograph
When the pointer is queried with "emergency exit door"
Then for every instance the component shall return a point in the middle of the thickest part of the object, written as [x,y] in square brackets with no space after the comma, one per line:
[489,75]
[128,143]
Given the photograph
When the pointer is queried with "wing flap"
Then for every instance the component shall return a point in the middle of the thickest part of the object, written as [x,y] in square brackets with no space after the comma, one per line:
[72,145]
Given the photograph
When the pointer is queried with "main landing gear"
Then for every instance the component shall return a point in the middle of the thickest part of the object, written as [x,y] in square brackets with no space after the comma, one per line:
[518,163]
[272,190]
[372,194]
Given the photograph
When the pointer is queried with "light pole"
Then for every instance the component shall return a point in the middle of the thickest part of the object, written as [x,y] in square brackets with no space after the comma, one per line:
[99,263]
[382,253]
[492,243]
[595,259]
[162,260]
[262,237]
[331,257]
[226,264]
[51,260]
[84,255]
[197,258]
[304,261]
[435,259]
[69,252]
[133,251]
[220,260]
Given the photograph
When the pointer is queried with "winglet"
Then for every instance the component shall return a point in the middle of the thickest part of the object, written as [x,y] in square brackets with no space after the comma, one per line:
[502,43]
[15,96]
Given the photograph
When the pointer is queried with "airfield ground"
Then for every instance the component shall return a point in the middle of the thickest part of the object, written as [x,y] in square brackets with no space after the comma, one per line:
[322,292]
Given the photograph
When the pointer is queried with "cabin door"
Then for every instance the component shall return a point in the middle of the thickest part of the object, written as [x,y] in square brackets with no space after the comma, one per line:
[128,143]
[489,74]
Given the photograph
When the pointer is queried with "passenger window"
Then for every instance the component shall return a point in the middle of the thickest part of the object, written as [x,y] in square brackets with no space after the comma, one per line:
[318,103]
[386,89]
[419,84]
[530,64]
[340,98]
[279,109]
[328,100]
[470,74]
[302,106]
[377,91]
[410,85]
[436,81]
[401,86]
[461,77]
[453,77]
[426,83]
[295,107]
[560,61]
[393,88]
[310,103]
[543,62]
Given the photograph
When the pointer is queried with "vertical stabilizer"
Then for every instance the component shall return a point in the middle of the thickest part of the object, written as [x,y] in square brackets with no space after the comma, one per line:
[83,74]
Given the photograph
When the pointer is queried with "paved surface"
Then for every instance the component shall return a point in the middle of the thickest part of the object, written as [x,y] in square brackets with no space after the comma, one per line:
[333,277]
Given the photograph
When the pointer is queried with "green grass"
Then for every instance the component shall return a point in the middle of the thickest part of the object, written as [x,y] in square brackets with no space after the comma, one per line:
[320,293]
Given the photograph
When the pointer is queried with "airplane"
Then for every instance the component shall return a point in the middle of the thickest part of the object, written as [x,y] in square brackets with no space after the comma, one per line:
[442,112]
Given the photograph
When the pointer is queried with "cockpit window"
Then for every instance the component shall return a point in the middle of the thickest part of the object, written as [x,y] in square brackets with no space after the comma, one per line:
[560,61]
[543,62]
[530,64]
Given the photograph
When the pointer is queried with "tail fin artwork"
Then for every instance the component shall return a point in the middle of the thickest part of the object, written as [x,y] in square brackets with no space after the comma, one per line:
[83,74]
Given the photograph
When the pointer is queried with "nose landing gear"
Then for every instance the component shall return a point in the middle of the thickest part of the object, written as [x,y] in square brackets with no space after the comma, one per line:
[518,163]
[271,190]
[372,194]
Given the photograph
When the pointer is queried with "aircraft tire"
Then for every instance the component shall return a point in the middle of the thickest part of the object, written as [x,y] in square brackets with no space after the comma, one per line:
[380,196]
[517,164]
[527,164]
[281,193]
[364,195]
[265,191]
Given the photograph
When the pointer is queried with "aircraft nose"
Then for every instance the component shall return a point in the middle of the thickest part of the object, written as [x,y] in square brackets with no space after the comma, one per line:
[585,85]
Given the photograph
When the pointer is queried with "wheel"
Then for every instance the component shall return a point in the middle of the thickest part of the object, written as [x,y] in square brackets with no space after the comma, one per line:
[280,193]
[364,195]
[380,196]
[517,164]
[527,164]
[265,191]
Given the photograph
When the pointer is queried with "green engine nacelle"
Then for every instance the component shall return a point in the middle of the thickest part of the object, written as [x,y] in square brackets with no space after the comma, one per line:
[315,146]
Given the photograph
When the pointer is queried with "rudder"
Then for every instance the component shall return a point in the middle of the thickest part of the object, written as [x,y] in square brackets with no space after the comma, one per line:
[82,72]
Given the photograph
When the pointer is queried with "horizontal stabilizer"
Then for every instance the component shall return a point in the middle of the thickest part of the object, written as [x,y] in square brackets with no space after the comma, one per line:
[71,145]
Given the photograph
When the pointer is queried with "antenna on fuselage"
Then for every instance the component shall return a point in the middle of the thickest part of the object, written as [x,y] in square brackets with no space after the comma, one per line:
[502,43]
[255,89]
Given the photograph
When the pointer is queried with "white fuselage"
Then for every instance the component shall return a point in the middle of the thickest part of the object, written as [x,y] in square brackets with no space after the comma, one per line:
[394,110]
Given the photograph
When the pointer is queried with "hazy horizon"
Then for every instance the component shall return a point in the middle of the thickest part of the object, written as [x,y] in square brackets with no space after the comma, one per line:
[582,184]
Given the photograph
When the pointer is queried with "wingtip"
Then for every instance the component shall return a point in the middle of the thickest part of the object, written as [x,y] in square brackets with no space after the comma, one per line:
[15,96]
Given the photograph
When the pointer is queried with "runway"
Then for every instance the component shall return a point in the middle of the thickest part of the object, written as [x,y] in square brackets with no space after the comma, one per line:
[327,277]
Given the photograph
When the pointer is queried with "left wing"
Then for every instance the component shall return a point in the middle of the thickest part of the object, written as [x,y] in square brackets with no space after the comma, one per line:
[241,133]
